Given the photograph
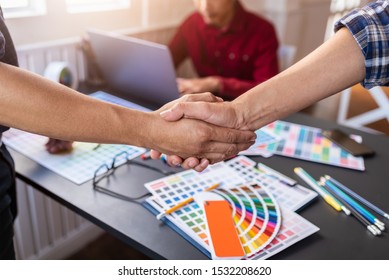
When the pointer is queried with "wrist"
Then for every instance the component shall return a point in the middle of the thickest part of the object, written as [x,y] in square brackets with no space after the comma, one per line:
[241,115]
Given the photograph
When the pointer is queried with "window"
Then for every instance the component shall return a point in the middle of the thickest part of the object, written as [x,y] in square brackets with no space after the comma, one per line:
[84,6]
[23,8]
[338,9]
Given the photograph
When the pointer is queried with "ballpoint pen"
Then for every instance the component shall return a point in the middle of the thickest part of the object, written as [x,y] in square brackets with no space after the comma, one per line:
[184,202]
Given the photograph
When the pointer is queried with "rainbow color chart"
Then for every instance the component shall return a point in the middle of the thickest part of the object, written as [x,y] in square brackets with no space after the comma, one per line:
[253,206]
[292,198]
[256,215]
[77,166]
[307,143]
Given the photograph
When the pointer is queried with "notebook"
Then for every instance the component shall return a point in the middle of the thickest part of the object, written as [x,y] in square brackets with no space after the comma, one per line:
[136,68]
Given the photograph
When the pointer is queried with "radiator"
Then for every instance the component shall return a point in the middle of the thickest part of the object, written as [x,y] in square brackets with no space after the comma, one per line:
[44,229]
[36,57]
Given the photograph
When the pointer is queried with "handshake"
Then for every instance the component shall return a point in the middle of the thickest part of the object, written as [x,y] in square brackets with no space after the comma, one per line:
[193,131]
[200,129]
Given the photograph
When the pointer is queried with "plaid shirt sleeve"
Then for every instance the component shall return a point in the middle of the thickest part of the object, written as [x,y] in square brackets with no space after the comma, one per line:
[370,28]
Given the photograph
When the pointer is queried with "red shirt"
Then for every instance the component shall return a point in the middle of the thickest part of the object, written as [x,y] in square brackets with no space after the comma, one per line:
[242,55]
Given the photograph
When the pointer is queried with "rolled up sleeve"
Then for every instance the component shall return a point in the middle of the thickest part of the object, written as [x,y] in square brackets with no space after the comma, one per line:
[370,28]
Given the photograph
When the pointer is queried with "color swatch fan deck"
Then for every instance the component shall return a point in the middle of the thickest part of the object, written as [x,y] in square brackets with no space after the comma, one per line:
[256,214]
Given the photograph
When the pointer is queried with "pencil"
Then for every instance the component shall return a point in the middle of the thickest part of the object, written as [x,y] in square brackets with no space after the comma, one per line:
[184,202]
[358,197]
[355,205]
[356,214]
[312,182]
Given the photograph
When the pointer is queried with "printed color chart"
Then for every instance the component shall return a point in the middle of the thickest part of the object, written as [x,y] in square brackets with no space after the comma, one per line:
[256,214]
[289,197]
[305,142]
[77,166]
[245,199]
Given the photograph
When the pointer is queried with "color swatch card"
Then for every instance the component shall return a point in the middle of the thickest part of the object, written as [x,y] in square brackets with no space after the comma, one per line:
[77,166]
[307,143]
[256,213]
[289,197]
[263,137]
[293,229]
[221,229]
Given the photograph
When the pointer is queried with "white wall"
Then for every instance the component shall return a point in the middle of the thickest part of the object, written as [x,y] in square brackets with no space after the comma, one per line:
[298,22]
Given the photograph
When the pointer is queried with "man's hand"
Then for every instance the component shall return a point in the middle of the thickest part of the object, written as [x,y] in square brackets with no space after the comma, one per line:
[198,85]
[205,107]
[55,146]
[224,114]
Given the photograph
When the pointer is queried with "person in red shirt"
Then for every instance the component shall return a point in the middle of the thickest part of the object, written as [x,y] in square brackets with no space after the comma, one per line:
[231,49]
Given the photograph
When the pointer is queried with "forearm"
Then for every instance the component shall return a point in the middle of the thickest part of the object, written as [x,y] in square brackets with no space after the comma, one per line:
[336,65]
[231,88]
[34,104]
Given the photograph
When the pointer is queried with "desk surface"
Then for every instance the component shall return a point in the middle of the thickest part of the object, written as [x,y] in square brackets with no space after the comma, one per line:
[340,237]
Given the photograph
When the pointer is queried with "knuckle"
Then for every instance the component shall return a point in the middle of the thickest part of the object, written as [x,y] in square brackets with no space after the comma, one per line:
[203,135]
[231,150]
[230,136]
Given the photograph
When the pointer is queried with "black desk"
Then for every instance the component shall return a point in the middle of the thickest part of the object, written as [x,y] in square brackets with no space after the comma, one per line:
[340,237]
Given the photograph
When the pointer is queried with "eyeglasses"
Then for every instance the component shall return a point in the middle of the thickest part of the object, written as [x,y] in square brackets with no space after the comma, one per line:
[107,170]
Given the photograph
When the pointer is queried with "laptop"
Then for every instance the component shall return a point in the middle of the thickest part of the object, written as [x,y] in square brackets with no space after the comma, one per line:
[140,70]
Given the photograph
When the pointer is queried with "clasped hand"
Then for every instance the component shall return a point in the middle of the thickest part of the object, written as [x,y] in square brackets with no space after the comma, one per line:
[227,136]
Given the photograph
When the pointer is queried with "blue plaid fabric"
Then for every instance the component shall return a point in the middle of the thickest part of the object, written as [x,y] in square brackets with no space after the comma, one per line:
[370,28]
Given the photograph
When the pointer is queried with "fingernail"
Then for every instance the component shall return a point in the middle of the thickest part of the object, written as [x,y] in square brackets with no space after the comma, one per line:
[175,163]
[204,163]
[192,164]
[164,113]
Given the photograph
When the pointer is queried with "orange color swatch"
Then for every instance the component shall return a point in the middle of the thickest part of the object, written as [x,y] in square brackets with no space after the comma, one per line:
[224,238]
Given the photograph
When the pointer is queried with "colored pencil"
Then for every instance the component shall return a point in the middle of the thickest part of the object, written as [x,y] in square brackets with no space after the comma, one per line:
[183,203]
[358,197]
[356,214]
[355,205]
[312,182]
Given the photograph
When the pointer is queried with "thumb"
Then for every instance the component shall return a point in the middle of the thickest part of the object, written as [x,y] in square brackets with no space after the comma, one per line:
[190,110]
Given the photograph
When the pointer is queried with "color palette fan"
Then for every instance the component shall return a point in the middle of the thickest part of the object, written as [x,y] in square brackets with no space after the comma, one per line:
[255,213]
[290,197]
[307,143]
[252,205]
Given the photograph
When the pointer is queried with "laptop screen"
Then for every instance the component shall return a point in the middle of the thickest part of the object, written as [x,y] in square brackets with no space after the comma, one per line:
[137,68]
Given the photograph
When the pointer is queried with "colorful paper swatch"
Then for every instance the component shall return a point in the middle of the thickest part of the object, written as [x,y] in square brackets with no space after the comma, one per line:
[189,220]
[307,143]
[293,229]
[222,231]
[292,198]
[256,214]
[77,166]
